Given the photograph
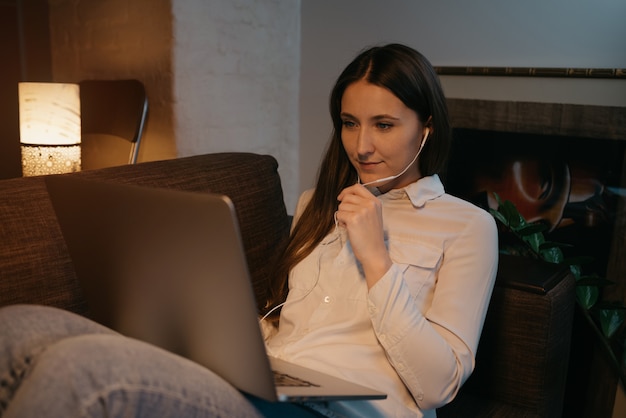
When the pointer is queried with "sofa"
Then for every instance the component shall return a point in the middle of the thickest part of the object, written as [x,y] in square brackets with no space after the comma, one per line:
[523,352]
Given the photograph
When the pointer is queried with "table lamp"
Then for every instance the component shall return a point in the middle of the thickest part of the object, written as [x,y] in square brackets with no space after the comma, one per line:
[49,128]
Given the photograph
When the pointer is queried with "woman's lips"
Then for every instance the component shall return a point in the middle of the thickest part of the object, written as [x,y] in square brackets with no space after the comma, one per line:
[367,166]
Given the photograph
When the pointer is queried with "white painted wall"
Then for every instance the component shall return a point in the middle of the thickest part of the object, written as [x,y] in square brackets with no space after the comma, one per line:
[533,33]
[235,78]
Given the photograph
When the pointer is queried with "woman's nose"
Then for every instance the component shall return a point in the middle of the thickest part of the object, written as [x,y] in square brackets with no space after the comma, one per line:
[365,143]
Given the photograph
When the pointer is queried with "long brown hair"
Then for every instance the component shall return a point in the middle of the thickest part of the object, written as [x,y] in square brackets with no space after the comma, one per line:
[410,77]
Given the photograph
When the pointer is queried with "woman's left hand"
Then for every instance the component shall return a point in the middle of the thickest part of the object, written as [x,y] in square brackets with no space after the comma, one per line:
[360,212]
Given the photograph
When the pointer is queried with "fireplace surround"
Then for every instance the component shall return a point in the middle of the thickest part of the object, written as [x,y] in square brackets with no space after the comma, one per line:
[604,122]
[602,131]
[563,122]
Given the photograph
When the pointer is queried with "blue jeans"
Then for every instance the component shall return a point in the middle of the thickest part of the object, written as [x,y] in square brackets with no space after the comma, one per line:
[55,363]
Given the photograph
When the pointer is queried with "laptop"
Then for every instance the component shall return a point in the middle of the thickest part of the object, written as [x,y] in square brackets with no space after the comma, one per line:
[168,267]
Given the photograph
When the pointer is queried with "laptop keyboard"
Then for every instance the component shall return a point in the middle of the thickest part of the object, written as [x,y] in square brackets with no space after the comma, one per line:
[283,379]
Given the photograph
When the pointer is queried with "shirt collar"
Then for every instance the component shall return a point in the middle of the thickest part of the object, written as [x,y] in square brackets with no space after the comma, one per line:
[425,189]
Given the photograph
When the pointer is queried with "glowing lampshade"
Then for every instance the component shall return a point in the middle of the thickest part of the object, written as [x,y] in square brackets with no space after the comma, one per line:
[49,128]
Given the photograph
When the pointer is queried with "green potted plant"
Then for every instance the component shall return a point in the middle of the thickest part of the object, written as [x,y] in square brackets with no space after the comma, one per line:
[605,318]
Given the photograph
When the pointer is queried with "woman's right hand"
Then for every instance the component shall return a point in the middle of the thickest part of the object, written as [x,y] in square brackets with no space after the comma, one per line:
[360,213]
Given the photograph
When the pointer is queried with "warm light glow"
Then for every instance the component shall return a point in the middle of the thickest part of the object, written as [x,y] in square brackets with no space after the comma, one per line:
[49,128]
[50,159]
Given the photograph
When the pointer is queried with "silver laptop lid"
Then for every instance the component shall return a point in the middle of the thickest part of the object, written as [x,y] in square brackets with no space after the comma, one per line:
[142,253]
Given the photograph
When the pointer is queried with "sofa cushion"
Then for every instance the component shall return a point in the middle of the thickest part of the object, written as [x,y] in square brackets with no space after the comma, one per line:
[34,263]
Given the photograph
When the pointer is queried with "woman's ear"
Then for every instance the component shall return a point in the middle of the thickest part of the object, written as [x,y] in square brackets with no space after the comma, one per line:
[428,125]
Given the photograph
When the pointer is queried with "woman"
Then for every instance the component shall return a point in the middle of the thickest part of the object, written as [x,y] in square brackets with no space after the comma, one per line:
[385,281]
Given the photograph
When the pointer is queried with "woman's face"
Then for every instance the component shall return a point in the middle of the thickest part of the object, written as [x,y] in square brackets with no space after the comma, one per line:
[380,134]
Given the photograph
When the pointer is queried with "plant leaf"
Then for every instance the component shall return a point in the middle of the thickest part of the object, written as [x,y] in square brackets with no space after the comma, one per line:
[611,320]
[576,271]
[587,296]
[534,240]
[534,228]
[552,255]
[499,217]
[498,199]
[510,212]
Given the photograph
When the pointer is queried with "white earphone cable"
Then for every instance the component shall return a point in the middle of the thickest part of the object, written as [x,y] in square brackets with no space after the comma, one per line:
[387,179]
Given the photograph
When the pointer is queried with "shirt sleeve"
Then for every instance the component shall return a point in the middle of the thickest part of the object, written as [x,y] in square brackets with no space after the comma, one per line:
[433,352]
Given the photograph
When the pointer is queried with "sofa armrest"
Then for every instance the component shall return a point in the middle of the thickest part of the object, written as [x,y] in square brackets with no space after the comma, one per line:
[522,358]
[529,275]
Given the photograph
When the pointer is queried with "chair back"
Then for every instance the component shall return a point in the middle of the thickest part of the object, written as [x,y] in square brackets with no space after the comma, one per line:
[113,115]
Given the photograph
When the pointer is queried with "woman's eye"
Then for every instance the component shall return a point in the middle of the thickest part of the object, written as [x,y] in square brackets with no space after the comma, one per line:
[348,124]
[383,125]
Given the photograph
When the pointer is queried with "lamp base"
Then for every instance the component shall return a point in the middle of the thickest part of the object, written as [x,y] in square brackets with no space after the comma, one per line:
[38,160]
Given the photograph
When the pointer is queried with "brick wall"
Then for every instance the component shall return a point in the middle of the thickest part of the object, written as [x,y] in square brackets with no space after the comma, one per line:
[236,75]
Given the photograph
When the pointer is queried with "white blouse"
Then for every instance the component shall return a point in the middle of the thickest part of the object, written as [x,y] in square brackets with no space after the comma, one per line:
[414,334]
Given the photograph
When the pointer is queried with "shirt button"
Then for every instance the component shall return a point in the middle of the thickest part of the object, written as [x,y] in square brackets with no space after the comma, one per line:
[326,299]
[382,337]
